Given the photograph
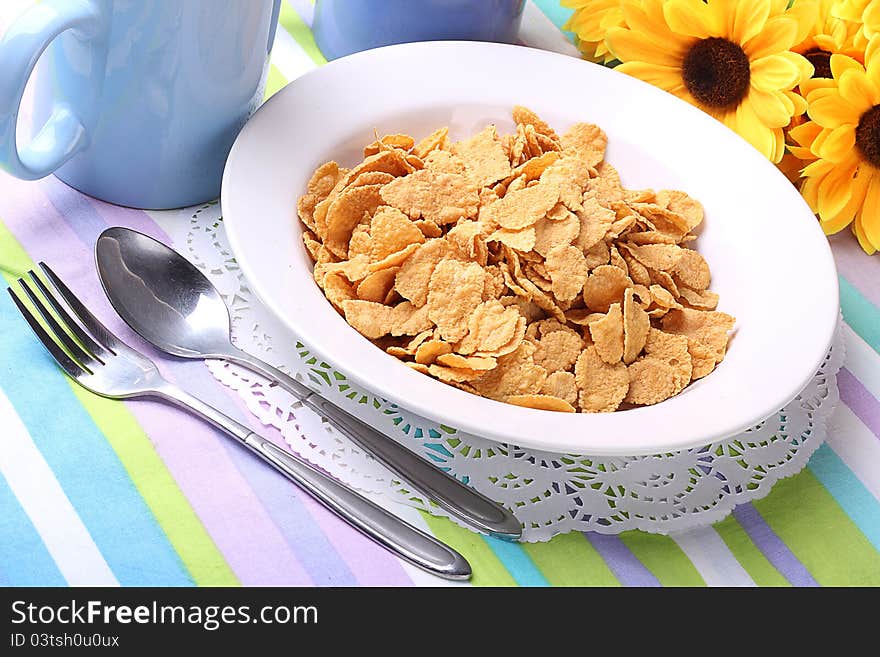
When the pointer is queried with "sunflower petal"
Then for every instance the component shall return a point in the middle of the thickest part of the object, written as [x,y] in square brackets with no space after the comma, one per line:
[858,89]
[841,63]
[835,191]
[805,13]
[798,103]
[809,190]
[871,19]
[770,109]
[803,64]
[805,133]
[665,77]
[774,72]
[869,217]
[843,218]
[832,111]
[872,59]
[749,126]
[629,46]
[859,232]
[778,35]
[818,169]
[811,84]
[747,19]
[838,144]
[694,18]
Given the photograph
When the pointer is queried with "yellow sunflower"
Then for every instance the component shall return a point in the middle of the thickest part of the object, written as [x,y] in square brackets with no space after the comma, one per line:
[731,58]
[590,23]
[829,35]
[842,184]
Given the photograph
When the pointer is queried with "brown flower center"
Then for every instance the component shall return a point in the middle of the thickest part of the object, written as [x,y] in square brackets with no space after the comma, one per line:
[868,136]
[716,72]
[821,61]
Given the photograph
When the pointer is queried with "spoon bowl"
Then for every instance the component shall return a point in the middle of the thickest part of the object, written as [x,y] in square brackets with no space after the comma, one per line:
[160,294]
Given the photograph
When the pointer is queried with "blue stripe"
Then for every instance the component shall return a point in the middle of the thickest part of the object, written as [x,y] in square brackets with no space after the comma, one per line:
[280,498]
[82,460]
[517,562]
[852,496]
[862,315]
[24,559]
[553,10]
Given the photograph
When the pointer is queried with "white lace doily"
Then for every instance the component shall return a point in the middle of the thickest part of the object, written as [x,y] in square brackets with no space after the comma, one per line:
[549,493]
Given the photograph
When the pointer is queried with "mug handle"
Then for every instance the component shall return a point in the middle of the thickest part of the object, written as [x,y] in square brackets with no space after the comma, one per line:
[63,135]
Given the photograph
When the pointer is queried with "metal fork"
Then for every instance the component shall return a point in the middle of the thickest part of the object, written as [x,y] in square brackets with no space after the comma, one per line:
[100,362]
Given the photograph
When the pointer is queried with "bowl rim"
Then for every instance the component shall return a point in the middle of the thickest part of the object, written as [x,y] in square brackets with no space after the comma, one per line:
[477,415]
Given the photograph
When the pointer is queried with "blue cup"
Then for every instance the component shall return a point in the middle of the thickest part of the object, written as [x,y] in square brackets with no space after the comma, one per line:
[136,102]
[342,27]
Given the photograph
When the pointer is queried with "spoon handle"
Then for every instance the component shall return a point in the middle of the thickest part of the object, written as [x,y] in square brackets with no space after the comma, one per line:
[460,500]
[406,541]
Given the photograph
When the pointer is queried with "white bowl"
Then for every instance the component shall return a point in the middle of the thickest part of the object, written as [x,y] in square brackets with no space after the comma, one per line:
[770,262]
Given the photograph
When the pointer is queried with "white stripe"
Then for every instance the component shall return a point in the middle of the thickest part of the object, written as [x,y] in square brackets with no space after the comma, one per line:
[712,558]
[538,31]
[862,360]
[305,9]
[34,485]
[856,446]
[289,56]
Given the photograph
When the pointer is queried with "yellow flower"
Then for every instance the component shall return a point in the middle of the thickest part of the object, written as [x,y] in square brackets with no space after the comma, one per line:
[590,23]
[829,35]
[731,58]
[842,184]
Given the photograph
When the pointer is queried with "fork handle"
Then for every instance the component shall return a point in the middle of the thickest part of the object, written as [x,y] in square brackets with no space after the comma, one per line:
[408,542]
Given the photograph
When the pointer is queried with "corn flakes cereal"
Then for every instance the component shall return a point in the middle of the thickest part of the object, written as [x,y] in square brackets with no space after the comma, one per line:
[607,334]
[601,387]
[454,292]
[543,402]
[562,385]
[517,267]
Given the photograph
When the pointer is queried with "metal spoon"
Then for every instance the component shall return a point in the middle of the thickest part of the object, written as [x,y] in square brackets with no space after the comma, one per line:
[171,304]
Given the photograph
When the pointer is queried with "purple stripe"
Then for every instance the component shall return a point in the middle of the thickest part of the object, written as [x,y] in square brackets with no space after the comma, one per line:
[303,525]
[862,271]
[622,562]
[772,547]
[860,400]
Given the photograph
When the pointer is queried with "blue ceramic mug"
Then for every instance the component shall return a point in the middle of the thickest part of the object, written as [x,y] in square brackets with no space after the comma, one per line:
[137,102]
[342,27]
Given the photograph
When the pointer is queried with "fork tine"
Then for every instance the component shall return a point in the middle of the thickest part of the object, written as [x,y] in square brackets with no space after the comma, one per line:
[79,354]
[91,346]
[101,333]
[73,369]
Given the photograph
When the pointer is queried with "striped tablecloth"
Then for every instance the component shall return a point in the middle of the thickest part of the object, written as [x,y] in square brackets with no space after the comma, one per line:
[107,493]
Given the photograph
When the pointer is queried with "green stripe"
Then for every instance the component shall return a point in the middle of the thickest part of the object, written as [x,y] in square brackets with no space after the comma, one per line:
[817,531]
[862,315]
[570,560]
[300,32]
[274,82]
[148,473]
[488,569]
[747,553]
[663,557]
